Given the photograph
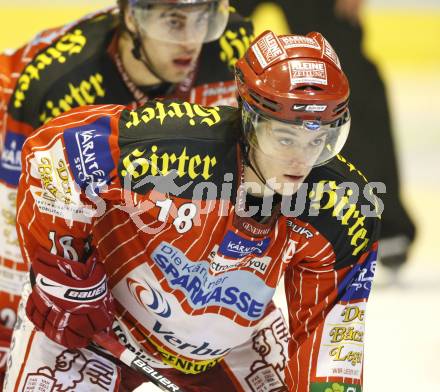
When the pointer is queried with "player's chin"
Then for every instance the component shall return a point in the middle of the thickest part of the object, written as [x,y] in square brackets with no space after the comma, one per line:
[179,72]
[287,191]
[178,76]
[288,185]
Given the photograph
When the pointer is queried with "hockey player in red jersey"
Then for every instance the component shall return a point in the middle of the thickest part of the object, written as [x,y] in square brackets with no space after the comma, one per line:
[145,49]
[172,224]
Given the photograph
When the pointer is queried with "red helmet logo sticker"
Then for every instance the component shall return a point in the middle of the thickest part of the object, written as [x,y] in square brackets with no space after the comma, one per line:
[268,50]
[331,54]
[298,41]
[307,71]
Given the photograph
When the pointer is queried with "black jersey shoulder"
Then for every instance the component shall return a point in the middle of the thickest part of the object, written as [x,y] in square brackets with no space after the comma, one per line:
[75,70]
[188,143]
[218,58]
[343,207]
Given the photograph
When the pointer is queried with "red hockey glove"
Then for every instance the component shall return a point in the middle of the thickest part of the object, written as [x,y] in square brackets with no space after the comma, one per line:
[70,301]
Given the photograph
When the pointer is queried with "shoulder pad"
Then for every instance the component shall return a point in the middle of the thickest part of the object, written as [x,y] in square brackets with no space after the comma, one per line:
[338,201]
[89,153]
[56,65]
[187,142]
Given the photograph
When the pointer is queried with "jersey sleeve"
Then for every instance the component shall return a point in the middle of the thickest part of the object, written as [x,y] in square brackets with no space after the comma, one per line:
[327,288]
[69,175]
[16,74]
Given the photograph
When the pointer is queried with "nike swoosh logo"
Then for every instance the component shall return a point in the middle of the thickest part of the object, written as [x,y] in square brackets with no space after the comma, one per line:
[47,284]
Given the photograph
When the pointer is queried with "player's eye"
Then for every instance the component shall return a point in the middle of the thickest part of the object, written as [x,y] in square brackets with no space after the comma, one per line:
[285,142]
[175,24]
[317,142]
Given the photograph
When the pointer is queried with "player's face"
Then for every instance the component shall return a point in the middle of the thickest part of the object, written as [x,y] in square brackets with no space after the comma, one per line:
[173,62]
[286,154]
[172,37]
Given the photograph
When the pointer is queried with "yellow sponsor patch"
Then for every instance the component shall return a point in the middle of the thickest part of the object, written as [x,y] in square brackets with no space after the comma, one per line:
[342,209]
[185,365]
[234,45]
[84,93]
[195,114]
[140,163]
[68,45]
[46,169]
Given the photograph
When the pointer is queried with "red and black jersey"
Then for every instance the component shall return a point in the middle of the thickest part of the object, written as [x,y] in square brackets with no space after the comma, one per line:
[78,65]
[154,190]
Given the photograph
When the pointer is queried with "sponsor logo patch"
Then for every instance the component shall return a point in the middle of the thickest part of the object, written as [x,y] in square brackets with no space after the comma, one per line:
[267,372]
[162,112]
[10,164]
[84,92]
[89,154]
[222,264]
[307,71]
[51,206]
[129,342]
[200,350]
[240,291]
[9,246]
[59,53]
[331,54]
[334,387]
[250,227]
[342,345]
[233,46]
[75,295]
[297,41]
[309,108]
[90,294]
[327,195]
[360,279]
[237,247]
[140,163]
[145,368]
[215,94]
[300,230]
[149,297]
[312,125]
[268,50]
[73,371]
[51,168]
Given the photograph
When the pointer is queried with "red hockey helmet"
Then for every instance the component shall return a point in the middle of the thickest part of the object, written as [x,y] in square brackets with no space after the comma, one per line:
[197,20]
[296,80]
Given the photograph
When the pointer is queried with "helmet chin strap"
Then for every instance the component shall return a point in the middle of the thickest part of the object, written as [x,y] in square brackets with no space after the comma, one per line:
[250,161]
[249,156]
[141,55]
